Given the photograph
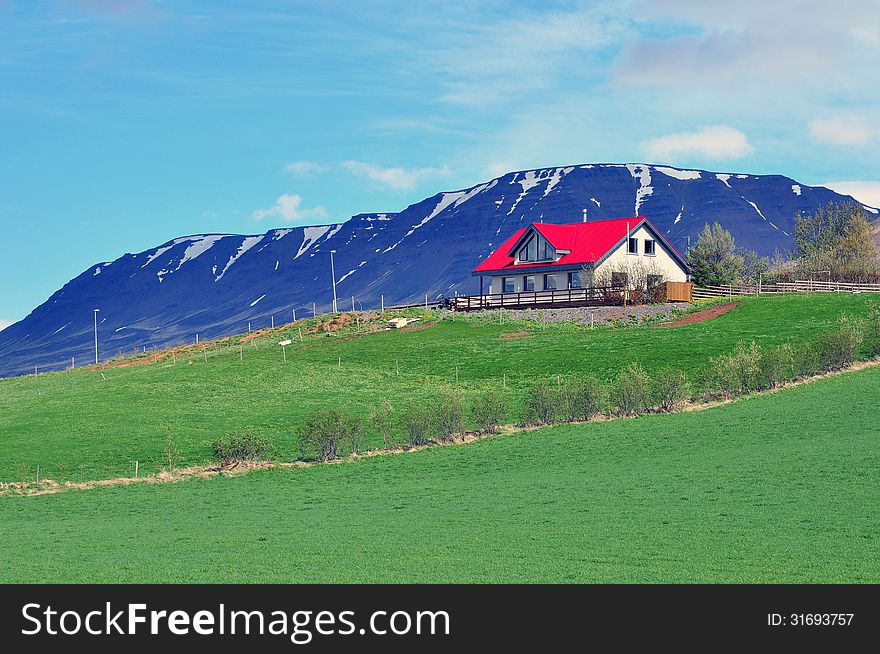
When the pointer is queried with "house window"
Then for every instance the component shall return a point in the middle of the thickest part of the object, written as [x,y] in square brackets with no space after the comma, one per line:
[547,252]
[649,247]
[529,251]
[574,280]
[529,283]
[632,246]
[549,282]
[507,285]
[619,280]
[654,281]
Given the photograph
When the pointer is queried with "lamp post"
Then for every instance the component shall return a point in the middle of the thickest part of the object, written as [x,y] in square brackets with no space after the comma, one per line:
[333,275]
[96,336]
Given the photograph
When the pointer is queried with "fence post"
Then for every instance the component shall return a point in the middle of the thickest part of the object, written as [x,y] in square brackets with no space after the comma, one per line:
[426,301]
[136,469]
[294,315]
[38,473]
[383,303]
[314,310]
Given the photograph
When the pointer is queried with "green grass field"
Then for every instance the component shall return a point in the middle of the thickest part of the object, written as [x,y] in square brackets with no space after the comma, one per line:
[92,425]
[783,487]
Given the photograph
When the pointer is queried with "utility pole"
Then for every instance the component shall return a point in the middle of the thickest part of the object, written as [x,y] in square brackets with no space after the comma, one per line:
[96,335]
[333,275]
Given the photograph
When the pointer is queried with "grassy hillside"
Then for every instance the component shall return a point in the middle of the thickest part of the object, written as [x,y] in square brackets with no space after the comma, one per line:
[91,424]
[777,488]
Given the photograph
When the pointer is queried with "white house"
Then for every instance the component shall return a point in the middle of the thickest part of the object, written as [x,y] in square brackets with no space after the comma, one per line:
[623,252]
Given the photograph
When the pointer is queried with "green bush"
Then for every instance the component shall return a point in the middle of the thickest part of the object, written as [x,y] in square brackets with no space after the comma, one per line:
[738,372]
[873,329]
[540,404]
[671,390]
[235,448]
[807,360]
[328,433]
[840,347]
[418,425]
[631,391]
[582,398]
[489,410]
[382,420]
[778,365]
[449,418]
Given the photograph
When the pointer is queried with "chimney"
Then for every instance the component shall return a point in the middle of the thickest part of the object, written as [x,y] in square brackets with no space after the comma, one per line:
[585,214]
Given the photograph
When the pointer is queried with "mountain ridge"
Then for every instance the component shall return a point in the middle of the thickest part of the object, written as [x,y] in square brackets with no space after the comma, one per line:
[215,284]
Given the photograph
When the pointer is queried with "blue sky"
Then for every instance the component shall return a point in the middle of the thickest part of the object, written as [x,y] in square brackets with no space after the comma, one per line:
[125,123]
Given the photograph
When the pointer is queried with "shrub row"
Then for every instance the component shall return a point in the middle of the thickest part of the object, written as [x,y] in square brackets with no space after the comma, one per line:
[328,434]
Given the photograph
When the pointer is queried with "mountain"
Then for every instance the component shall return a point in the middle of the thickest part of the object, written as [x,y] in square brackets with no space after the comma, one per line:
[215,284]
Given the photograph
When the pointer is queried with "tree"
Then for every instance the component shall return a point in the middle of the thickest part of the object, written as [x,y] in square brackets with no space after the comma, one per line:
[837,238]
[714,259]
[753,266]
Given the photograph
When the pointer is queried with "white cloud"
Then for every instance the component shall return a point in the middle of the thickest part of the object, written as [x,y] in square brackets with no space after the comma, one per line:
[396,178]
[304,168]
[865,192]
[783,40]
[842,130]
[4,324]
[499,168]
[288,208]
[712,142]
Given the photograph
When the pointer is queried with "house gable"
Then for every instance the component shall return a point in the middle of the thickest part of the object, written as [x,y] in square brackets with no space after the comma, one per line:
[534,247]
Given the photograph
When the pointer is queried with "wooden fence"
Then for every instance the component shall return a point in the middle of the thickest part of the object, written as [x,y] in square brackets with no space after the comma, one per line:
[800,286]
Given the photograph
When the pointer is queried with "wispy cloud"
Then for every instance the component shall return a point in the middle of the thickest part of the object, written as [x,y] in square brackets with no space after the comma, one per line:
[785,40]
[865,192]
[712,142]
[304,168]
[395,177]
[288,208]
[843,130]
[482,62]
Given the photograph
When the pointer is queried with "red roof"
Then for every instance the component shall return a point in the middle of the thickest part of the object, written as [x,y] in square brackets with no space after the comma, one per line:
[588,243]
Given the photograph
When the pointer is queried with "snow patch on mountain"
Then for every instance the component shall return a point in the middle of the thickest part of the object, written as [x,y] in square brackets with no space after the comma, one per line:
[246,244]
[555,178]
[643,174]
[678,174]
[310,236]
[756,209]
[447,200]
[724,177]
[254,303]
[796,189]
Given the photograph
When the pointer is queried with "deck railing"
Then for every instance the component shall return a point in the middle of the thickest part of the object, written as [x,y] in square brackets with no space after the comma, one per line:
[571,297]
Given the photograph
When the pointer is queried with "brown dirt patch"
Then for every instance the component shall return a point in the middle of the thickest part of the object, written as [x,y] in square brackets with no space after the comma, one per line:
[700,316]
[510,335]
